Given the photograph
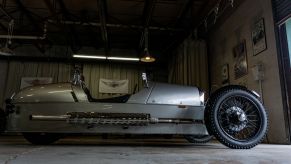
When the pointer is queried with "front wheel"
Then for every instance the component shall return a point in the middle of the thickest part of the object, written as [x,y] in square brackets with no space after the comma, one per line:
[236,118]
[41,138]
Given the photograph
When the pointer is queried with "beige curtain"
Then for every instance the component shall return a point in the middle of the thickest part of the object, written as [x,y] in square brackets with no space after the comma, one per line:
[60,72]
[93,72]
[189,65]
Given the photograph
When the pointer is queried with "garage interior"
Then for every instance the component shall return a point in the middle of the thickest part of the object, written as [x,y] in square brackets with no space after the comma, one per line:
[192,42]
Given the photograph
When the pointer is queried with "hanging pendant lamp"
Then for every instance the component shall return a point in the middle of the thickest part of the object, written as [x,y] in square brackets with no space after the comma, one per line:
[147,57]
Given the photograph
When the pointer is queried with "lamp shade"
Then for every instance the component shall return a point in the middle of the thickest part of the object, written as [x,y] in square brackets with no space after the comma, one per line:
[147,57]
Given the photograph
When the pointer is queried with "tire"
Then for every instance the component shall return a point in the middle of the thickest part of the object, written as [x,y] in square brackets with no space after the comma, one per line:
[168,136]
[41,138]
[198,139]
[2,121]
[104,136]
[236,117]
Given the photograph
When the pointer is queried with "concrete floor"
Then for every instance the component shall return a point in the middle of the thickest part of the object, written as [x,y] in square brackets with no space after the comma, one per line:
[92,149]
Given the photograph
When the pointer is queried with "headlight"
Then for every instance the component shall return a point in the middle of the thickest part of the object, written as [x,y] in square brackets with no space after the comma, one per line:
[201,97]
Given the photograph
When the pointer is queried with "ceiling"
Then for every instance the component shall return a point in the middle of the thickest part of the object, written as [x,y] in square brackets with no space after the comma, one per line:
[103,24]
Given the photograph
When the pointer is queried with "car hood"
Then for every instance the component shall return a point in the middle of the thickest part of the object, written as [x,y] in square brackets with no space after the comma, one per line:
[59,92]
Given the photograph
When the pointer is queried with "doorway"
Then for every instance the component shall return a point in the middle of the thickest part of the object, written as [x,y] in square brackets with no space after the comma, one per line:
[285,49]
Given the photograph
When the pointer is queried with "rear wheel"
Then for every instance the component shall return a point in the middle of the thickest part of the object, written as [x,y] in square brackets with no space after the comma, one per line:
[236,118]
[2,121]
[168,136]
[41,138]
[198,139]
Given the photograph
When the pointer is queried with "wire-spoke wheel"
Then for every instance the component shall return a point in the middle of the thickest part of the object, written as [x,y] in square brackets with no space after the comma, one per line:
[2,120]
[237,118]
[41,138]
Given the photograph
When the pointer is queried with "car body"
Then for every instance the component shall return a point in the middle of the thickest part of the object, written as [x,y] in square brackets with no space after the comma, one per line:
[159,108]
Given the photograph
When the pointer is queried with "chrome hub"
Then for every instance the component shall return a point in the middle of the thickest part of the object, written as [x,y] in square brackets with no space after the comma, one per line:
[237,118]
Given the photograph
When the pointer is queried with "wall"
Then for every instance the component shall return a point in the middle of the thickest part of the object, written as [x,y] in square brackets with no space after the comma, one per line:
[188,65]
[224,38]
[288,30]
[3,74]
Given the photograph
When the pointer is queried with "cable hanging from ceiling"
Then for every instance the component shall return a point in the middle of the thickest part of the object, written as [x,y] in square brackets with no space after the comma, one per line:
[147,57]
[10,32]
[215,13]
[5,50]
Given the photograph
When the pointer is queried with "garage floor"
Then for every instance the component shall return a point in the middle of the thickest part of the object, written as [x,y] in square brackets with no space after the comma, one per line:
[92,149]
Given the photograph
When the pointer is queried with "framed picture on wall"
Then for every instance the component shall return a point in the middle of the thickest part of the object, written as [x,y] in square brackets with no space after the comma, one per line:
[240,60]
[225,74]
[259,37]
[113,86]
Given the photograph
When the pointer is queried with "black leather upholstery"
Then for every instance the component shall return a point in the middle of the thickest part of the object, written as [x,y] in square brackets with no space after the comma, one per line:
[119,99]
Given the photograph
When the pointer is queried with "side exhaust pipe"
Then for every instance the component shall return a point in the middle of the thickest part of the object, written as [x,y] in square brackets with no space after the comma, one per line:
[50,118]
[99,120]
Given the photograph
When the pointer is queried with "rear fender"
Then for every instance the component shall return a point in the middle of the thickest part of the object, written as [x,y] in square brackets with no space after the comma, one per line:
[218,91]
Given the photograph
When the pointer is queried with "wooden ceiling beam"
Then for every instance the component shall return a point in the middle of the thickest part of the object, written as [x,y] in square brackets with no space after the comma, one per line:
[203,11]
[51,8]
[3,27]
[5,13]
[28,15]
[186,7]
[102,11]
[9,13]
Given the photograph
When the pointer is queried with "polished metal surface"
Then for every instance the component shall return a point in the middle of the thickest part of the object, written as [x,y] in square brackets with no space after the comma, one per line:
[80,94]
[21,122]
[142,96]
[94,118]
[45,108]
[60,92]
[174,94]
